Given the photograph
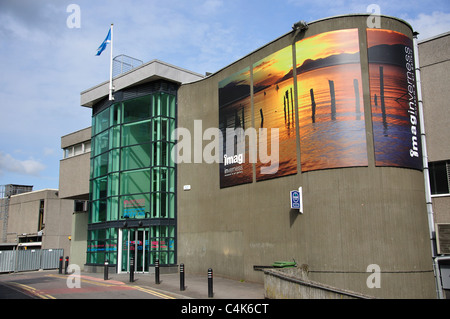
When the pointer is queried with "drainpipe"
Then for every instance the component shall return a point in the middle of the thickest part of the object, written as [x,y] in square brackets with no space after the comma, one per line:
[426,172]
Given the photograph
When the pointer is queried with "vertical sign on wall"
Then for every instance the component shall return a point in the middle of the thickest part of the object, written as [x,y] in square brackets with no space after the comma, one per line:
[393,99]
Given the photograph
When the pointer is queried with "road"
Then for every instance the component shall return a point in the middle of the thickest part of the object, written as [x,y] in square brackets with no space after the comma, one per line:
[38,285]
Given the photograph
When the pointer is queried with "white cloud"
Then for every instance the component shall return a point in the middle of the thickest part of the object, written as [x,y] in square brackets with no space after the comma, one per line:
[25,167]
[429,25]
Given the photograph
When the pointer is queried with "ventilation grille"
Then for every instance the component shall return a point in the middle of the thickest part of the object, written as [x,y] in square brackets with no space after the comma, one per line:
[443,239]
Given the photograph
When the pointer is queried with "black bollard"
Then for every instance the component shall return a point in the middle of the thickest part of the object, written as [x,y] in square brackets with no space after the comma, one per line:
[182,287]
[60,264]
[105,273]
[210,283]
[66,265]
[157,271]
[131,270]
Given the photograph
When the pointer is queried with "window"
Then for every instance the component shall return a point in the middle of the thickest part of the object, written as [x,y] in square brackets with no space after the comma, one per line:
[41,215]
[440,177]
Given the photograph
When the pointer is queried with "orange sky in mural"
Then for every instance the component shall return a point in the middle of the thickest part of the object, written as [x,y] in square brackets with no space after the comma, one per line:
[380,36]
[326,44]
[268,70]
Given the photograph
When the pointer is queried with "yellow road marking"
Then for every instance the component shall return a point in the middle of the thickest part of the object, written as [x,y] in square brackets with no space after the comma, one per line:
[152,292]
[31,290]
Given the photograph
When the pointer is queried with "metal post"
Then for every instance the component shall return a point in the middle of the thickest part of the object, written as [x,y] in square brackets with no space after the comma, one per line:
[60,264]
[210,283]
[131,270]
[157,271]
[66,265]
[105,273]
[182,287]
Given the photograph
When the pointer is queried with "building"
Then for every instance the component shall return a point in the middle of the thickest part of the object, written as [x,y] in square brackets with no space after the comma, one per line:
[74,174]
[35,219]
[435,67]
[343,125]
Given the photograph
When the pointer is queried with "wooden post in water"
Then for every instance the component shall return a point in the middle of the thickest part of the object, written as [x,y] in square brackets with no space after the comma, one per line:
[262,117]
[284,109]
[313,106]
[243,119]
[383,105]
[292,105]
[333,100]
[286,96]
[357,99]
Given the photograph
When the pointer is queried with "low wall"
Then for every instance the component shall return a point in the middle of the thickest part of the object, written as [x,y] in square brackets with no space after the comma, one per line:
[292,283]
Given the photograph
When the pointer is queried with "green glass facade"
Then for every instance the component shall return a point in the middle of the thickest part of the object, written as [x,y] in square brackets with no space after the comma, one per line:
[133,180]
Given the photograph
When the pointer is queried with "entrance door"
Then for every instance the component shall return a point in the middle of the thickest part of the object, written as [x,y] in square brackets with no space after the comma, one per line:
[134,246]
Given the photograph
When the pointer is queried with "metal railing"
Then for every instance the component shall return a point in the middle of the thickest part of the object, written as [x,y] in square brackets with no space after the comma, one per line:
[30,259]
[124,63]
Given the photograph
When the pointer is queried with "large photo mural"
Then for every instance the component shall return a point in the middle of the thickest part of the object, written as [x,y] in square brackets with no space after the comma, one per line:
[326,100]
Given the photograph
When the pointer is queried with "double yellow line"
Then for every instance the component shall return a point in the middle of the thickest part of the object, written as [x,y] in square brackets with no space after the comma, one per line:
[31,290]
[35,292]
[152,292]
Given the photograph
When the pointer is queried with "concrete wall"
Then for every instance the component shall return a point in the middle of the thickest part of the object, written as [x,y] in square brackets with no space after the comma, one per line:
[74,172]
[24,215]
[293,283]
[79,239]
[353,217]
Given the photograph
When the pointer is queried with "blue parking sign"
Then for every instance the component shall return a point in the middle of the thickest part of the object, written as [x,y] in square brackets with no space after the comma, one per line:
[296,200]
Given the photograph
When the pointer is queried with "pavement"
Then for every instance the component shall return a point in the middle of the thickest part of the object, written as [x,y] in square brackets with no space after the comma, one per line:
[49,284]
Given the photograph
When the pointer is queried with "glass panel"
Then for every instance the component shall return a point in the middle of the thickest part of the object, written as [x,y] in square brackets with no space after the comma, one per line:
[134,182]
[113,165]
[99,188]
[114,138]
[136,133]
[100,166]
[124,244]
[172,106]
[137,109]
[171,179]
[171,205]
[113,184]
[101,143]
[139,261]
[116,114]
[164,104]
[102,121]
[156,205]
[135,157]
[113,212]
[134,206]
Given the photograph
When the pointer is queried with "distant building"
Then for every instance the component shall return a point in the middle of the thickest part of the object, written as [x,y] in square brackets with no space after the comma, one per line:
[34,219]
[434,57]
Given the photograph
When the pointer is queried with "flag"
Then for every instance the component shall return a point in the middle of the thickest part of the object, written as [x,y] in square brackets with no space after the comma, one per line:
[102,46]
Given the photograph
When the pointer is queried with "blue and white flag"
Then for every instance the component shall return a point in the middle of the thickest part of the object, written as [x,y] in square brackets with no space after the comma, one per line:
[102,46]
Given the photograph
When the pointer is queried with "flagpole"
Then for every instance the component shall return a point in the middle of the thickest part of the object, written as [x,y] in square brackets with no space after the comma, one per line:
[111,98]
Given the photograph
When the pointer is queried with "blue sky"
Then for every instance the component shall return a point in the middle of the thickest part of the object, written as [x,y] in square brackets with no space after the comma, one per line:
[45,64]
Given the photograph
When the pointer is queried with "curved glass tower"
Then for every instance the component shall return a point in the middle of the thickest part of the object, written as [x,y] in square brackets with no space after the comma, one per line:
[133,179]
